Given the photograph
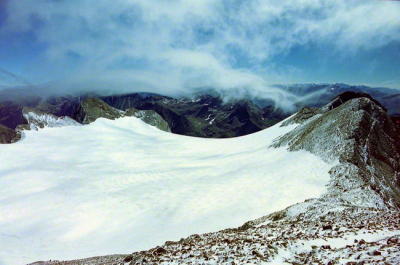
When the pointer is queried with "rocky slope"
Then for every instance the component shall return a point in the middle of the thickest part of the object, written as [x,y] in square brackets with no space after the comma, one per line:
[90,109]
[364,139]
[203,115]
[7,135]
[150,117]
[352,236]
[14,118]
[355,222]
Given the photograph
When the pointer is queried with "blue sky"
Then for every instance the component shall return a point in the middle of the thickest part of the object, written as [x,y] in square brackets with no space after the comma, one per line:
[173,46]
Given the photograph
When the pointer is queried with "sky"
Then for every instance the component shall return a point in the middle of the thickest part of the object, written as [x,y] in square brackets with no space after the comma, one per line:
[176,46]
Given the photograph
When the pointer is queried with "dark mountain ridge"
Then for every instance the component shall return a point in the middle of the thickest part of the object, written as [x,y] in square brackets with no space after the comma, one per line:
[206,114]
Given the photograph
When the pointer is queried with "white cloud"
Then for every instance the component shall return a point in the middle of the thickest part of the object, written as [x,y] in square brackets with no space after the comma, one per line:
[183,44]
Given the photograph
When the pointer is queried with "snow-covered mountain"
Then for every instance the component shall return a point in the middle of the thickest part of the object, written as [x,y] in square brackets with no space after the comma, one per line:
[328,179]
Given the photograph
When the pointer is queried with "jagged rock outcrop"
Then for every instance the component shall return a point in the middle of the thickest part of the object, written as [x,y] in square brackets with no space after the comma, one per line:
[7,135]
[91,109]
[349,95]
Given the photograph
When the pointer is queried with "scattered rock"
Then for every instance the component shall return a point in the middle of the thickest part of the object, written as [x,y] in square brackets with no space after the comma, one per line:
[159,251]
[257,254]
[128,258]
[376,253]
[393,240]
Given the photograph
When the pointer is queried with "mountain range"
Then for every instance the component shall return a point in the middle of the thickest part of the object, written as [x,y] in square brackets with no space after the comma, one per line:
[205,114]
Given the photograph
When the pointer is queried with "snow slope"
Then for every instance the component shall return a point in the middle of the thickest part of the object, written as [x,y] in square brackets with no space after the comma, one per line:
[117,186]
[38,120]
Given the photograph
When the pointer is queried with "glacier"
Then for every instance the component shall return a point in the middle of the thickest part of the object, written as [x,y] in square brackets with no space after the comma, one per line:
[117,186]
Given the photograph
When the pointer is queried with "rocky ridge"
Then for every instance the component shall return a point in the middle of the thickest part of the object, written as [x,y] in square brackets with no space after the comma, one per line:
[365,141]
[203,115]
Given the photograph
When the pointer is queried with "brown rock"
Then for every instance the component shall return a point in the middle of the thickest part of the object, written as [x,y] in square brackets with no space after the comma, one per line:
[128,258]
[159,251]
[376,253]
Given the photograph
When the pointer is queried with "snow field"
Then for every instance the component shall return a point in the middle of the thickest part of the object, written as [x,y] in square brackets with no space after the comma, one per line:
[121,186]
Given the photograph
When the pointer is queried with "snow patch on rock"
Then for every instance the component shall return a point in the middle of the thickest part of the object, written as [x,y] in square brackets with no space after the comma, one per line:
[38,120]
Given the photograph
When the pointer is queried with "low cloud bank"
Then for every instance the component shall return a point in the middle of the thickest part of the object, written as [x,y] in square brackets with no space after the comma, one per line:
[176,47]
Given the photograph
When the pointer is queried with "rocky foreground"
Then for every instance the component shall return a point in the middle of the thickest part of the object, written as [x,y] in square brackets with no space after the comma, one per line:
[352,236]
[357,221]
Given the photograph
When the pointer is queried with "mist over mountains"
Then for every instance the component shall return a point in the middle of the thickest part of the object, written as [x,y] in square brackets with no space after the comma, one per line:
[207,113]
